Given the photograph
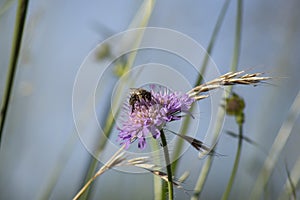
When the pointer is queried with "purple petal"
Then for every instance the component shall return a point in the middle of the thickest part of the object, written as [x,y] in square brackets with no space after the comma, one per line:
[142,143]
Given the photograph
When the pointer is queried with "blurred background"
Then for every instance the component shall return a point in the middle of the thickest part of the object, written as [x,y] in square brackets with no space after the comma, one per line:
[39,134]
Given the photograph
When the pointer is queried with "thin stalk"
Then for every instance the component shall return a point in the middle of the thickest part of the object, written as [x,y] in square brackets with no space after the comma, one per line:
[213,40]
[235,165]
[113,160]
[168,165]
[109,124]
[238,36]
[179,143]
[15,51]
[280,141]
[221,113]
[157,182]
[5,6]
[146,11]
[294,179]
[102,143]
[207,165]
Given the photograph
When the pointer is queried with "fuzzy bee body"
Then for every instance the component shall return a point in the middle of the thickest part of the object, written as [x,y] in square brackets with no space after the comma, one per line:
[136,95]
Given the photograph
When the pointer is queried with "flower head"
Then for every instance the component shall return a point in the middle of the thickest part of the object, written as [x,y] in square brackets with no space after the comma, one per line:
[150,116]
[148,112]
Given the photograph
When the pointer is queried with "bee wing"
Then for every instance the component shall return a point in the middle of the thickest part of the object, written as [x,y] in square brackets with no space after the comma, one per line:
[134,90]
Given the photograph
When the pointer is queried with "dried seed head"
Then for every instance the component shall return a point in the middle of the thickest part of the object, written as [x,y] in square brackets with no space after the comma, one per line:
[230,78]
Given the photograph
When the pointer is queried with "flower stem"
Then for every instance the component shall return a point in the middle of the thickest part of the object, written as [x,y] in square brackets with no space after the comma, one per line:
[235,165]
[168,164]
[16,46]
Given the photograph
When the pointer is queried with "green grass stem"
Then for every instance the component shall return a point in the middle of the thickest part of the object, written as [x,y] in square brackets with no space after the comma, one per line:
[235,165]
[168,165]
[279,142]
[15,51]
[288,189]
[145,11]
[186,122]
[221,112]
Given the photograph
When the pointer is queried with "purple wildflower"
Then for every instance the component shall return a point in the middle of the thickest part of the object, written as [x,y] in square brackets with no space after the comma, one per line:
[149,117]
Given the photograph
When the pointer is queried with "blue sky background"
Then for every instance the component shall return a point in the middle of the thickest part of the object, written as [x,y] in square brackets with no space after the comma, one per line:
[58,36]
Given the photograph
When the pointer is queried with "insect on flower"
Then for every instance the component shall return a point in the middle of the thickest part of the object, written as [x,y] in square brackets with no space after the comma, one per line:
[148,112]
[137,95]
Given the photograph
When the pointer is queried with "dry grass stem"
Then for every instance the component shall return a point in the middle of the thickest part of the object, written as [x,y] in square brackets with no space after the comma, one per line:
[142,162]
[115,160]
[230,78]
[118,159]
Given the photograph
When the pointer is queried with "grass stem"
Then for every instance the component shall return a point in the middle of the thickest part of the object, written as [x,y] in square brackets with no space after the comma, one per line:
[15,51]
[221,113]
[179,143]
[144,12]
[279,143]
[168,165]
[157,182]
[235,165]
[110,163]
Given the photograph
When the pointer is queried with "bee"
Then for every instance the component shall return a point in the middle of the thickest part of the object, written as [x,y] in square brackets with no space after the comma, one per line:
[136,95]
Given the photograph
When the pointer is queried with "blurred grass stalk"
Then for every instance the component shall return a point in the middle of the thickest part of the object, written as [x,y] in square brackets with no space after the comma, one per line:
[63,158]
[5,6]
[185,126]
[157,182]
[279,142]
[221,112]
[114,160]
[70,144]
[235,165]
[140,20]
[168,165]
[15,51]
[294,179]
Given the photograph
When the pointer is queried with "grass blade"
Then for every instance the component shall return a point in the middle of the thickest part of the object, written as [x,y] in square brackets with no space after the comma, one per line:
[179,143]
[221,112]
[279,142]
[16,46]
